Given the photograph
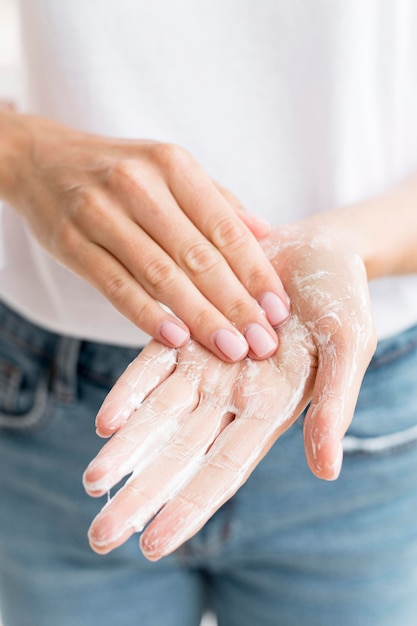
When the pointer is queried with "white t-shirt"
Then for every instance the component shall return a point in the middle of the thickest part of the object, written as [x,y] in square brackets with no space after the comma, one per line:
[295,106]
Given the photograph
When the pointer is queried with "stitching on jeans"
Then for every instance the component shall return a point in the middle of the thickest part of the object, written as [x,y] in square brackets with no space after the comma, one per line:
[10,380]
[64,374]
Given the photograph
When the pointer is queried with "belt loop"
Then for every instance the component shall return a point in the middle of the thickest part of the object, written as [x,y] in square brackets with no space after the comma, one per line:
[64,373]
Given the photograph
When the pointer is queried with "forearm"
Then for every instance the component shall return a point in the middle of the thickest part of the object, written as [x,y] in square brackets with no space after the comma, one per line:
[382,229]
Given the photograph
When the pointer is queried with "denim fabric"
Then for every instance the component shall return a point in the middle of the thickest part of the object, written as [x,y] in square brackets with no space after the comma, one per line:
[287,550]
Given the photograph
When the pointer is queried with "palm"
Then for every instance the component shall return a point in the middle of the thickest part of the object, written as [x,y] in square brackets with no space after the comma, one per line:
[205,424]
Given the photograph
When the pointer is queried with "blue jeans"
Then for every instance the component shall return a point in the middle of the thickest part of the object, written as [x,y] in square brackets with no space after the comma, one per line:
[287,550]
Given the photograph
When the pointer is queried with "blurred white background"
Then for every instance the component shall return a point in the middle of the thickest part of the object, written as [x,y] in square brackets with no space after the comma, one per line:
[10,87]
[9,52]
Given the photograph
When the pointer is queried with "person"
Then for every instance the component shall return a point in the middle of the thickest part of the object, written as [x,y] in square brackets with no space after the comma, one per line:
[305,112]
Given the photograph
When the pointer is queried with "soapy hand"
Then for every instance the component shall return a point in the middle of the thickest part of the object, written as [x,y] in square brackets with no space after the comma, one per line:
[190,428]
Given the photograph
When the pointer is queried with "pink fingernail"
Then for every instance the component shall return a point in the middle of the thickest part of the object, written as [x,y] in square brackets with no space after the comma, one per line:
[276,310]
[174,334]
[260,340]
[231,344]
[259,220]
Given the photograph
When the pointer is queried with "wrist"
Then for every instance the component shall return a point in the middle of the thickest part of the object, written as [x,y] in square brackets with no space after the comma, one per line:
[382,230]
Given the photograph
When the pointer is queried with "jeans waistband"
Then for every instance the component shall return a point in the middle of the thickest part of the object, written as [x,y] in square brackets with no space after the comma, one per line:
[66,357]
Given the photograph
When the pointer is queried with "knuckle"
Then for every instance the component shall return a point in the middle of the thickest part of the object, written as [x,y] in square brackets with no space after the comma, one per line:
[130,178]
[200,257]
[255,280]
[230,233]
[239,310]
[87,208]
[202,321]
[122,171]
[159,274]
[84,197]
[170,156]
[115,287]
[127,176]
[65,240]
[144,315]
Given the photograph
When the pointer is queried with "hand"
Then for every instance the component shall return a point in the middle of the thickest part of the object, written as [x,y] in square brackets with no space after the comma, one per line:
[144,224]
[191,429]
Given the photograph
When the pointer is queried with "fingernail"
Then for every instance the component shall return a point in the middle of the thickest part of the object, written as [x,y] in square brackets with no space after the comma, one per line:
[259,340]
[232,345]
[259,220]
[276,310]
[174,334]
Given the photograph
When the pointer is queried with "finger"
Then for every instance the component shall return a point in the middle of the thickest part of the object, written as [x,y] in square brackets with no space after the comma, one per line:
[225,468]
[258,226]
[153,365]
[148,489]
[208,262]
[342,361]
[139,303]
[142,436]
[105,272]
[136,273]
[267,398]
[216,218]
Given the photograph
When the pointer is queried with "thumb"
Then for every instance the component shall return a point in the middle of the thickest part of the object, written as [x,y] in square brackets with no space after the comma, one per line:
[342,363]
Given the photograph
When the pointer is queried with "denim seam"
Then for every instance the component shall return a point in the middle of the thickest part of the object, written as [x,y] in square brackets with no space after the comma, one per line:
[64,379]
[10,383]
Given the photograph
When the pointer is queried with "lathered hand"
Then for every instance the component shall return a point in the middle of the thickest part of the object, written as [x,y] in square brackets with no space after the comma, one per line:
[190,428]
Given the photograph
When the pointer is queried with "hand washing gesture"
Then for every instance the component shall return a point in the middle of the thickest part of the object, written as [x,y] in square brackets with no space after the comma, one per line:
[190,428]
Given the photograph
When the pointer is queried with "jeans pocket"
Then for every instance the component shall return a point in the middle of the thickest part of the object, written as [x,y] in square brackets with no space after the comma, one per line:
[23,392]
[385,420]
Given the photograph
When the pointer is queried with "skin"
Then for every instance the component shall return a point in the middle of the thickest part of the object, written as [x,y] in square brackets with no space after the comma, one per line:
[220,420]
[143,222]
[190,429]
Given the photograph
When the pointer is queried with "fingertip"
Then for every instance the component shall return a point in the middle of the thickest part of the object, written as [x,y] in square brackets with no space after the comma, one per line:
[337,466]
[326,465]
[114,412]
[258,226]
[93,488]
[101,550]
[104,535]
[173,335]
[98,478]
[262,344]
[277,310]
[232,345]
[148,553]
[104,432]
